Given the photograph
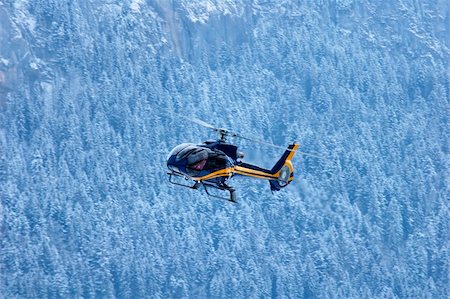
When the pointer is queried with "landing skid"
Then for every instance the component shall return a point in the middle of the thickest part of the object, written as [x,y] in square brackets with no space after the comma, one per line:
[206,185]
[173,174]
[224,187]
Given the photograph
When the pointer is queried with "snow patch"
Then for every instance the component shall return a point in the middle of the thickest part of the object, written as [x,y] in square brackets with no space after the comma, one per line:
[47,96]
[4,61]
[136,5]
[200,11]
[34,66]
[47,88]
[22,15]
[111,9]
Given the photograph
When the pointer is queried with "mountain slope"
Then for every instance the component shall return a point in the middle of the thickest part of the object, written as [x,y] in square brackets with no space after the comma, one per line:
[89,93]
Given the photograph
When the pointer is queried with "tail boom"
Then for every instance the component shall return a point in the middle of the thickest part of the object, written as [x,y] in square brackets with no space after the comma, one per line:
[279,176]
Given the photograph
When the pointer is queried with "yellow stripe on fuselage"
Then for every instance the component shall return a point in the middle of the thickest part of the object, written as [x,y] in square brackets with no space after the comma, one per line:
[253,173]
[219,173]
[227,172]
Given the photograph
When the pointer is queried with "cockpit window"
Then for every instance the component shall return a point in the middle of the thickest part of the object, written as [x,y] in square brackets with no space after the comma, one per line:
[216,161]
[178,149]
[190,151]
[193,154]
[197,158]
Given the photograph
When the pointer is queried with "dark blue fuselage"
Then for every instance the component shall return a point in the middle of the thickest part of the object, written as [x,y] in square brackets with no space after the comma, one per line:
[200,160]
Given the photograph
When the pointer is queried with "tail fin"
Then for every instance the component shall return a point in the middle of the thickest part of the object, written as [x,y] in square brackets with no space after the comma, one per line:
[283,169]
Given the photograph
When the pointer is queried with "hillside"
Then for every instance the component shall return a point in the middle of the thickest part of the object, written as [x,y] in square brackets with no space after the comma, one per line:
[89,97]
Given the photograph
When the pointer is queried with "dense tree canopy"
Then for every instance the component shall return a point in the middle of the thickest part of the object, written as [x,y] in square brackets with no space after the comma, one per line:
[89,97]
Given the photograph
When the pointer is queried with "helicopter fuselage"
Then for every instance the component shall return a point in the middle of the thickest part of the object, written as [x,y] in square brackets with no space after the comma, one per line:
[214,162]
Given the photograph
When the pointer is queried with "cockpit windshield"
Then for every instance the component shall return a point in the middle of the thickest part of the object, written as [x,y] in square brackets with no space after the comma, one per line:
[197,158]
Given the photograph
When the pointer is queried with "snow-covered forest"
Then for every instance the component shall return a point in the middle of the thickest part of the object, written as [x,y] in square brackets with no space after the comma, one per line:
[90,98]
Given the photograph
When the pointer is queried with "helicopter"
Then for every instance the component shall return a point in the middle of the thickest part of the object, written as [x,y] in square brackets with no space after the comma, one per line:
[212,163]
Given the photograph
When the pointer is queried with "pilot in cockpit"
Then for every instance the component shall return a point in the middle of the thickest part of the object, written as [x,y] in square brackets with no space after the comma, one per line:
[205,160]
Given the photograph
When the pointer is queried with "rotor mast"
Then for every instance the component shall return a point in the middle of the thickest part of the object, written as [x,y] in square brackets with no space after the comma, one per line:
[223,134]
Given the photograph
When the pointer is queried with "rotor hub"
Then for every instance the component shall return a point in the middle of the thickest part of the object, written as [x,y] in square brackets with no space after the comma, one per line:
[223,134]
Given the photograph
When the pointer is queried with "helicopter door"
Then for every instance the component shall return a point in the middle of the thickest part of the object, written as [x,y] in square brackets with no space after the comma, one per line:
[216,160]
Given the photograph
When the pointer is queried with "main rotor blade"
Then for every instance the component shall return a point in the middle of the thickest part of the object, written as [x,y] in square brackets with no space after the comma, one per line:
[261,142]
[281,147]
[313,156]
[232,134]
[202,123]
[199,122]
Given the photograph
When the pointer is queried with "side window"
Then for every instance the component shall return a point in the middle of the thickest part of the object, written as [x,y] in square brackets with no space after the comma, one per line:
[216,161]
